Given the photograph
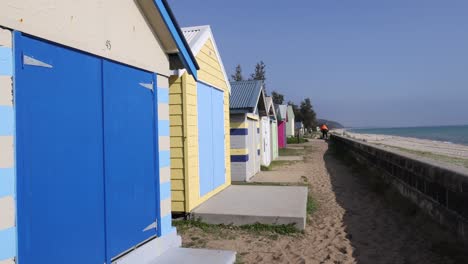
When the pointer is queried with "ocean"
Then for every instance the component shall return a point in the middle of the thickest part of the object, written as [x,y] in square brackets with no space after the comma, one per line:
[451,134]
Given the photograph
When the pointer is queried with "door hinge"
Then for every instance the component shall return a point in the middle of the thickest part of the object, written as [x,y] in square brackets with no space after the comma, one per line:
[148,86]
[35,62]
[153,225]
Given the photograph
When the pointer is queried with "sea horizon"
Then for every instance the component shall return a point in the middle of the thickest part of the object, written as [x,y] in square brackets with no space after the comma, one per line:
[457,134]
[392,127]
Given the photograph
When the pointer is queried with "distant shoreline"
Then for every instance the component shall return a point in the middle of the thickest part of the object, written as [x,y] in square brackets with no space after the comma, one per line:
[438,150]
[448,134]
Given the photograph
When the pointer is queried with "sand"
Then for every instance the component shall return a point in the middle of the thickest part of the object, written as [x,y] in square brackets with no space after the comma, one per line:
[352,224]
[422,145]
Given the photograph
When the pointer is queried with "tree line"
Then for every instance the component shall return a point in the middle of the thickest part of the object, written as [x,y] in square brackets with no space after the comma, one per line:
[304,112]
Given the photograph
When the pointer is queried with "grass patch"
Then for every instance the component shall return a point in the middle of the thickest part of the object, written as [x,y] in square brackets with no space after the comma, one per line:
[239,258]
[451,160]
[259,229]
[291,152]
[277,163]
[295,140]
[311,205]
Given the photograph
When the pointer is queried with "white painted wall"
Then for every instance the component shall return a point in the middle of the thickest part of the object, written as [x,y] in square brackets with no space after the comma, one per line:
[88,25]
[265,141]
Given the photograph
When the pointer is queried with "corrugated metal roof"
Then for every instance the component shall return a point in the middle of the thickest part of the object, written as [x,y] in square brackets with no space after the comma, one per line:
[282,112]
[192,34]
[245,94]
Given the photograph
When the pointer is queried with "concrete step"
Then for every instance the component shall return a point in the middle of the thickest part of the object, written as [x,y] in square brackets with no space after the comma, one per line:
[250,204]
[196,256]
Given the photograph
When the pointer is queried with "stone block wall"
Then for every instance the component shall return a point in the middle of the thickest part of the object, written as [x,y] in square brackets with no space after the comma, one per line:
[441,191]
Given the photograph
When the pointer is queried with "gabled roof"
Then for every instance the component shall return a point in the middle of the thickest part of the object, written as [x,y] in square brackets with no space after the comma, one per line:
[270,107]
[246,96]
[291,112]
[196,38]
[184,53]
[282,112]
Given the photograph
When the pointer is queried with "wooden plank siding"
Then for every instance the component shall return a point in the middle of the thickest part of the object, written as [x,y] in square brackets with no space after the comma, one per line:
[184,131]
[177,143]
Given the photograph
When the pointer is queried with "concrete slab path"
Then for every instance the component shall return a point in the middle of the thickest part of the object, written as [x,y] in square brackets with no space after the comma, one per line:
[291,158]
[250,204]
[196,256]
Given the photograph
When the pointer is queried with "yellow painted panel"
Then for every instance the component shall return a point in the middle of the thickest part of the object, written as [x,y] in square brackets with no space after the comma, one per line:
[192,163]
[175,109]
[210,68]
[239,124]
[177,174]
[173,80]
[177,185]
[176,112]
[177,163]
[192,111]
[177,142]
[204,58]
[210,45]
[178,206]
[176,131]
[193,121]
[192,114]
[213,79]
[175,89]
[192,132]
[177,195]
[177,152]
[192,100]
[252,116]
[239,151]
[191,90]
[175,99]
[175,120]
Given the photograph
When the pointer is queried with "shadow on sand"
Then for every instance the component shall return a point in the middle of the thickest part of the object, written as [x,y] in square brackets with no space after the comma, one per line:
[384,227]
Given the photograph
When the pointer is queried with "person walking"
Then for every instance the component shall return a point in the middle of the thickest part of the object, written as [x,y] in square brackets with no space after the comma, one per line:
[324,130]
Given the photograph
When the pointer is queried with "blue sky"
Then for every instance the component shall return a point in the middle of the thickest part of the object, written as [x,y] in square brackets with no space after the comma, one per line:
[362,62]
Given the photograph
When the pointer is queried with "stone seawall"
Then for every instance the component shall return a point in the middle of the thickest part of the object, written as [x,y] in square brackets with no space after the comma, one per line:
[441,191]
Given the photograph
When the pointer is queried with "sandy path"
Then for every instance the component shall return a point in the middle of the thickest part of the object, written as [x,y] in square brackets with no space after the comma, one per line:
[351,225]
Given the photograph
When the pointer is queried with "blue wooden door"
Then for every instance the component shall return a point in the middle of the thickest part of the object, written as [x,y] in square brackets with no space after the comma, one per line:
[219,162]
[205,138]
[130,159]
[59,154]
[210,138]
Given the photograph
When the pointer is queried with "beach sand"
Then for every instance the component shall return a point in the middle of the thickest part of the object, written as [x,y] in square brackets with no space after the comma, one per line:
[352,223]
[414,144]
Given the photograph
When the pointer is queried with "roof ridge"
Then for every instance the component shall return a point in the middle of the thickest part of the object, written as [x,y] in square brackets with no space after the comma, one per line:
[246,81]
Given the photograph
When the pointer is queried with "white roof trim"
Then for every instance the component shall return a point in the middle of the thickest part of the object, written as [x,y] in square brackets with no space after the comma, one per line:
[270,105]
[197,43]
